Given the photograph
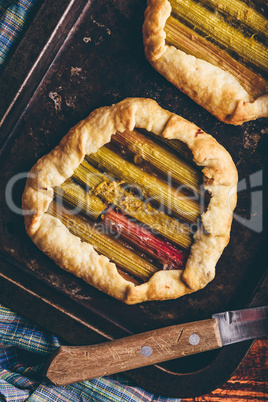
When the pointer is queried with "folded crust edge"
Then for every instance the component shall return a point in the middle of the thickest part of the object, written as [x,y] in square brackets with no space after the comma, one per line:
[80,258]
[211,87]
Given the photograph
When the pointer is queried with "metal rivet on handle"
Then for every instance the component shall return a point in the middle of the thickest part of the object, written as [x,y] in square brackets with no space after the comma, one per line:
[146,351]
[194,339]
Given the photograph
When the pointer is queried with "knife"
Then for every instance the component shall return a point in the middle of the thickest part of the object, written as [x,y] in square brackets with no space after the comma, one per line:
[71,364]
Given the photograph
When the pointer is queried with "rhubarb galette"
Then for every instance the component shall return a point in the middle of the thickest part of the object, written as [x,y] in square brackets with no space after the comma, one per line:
[117,205]
[200,48]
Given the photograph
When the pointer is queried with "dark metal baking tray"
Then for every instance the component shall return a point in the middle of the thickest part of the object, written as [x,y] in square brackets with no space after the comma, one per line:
[94,57]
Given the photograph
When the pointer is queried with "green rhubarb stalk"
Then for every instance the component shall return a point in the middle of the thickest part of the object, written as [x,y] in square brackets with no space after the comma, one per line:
[120,255]
[174,145]
[152,186]
[242,13]
[224,34]
[89,176]
[111,192]
[157,220]
[163,160]
[187,40]
[77,198]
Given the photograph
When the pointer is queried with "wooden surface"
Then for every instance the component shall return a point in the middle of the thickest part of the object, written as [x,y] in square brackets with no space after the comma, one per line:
[250,381]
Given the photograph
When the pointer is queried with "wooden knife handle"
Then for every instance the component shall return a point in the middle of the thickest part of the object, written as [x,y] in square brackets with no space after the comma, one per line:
[78,363]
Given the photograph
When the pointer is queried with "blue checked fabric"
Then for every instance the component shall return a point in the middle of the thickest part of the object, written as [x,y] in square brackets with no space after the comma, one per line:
[24,349]
[13,17]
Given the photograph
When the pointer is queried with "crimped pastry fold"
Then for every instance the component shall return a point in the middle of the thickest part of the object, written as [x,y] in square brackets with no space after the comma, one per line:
[80,258]
[216,90]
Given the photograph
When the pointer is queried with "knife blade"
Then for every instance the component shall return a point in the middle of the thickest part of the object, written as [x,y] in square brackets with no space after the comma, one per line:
[71,364]
[241,325]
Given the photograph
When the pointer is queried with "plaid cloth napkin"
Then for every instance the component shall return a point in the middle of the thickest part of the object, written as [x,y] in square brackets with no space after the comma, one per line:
[24,349]
[13,17]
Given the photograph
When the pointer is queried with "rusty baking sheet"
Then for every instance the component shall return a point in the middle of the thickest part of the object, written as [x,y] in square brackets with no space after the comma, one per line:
[94,58]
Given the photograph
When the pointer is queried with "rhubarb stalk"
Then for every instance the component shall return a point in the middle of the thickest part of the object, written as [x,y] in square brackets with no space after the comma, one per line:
[242,13]
[144,240]
[162,159]
[152,186]
[112,193]
[120,255]
[81,201]
[89,176]
[178,146]
[216,28]
[76,197]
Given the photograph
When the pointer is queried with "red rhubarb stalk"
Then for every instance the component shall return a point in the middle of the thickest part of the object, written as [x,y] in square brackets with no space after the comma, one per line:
[158,248]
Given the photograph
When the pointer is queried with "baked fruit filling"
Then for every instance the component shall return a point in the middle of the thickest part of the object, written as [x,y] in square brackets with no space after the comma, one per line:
[229,34]
[115,203]
[137,201]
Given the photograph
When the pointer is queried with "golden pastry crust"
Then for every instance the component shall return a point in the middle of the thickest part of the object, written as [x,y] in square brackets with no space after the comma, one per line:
[211,87]
[80,258]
